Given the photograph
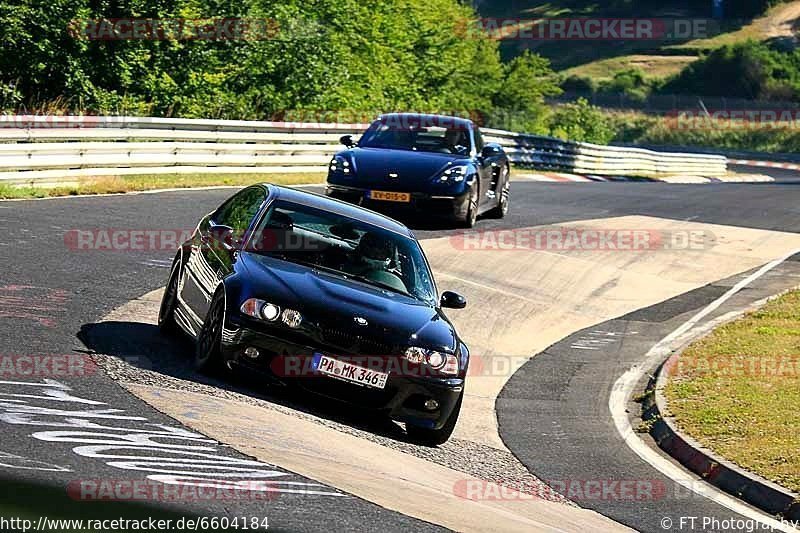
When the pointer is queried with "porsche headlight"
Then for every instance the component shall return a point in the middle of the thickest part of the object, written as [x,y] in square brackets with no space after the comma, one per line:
[340,165]
[443,362]
[454,174]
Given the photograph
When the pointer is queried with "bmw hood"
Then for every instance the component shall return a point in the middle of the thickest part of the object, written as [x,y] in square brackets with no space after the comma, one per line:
[328,299]
[414,170]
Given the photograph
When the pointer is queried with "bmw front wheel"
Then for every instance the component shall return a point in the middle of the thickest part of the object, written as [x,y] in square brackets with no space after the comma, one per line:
[208,354]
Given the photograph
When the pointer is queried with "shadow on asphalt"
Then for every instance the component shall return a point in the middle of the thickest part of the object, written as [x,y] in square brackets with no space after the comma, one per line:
[28,500]
[144,347]
[422,222]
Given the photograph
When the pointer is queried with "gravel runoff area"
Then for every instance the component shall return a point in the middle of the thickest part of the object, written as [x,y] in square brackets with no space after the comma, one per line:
[476,460]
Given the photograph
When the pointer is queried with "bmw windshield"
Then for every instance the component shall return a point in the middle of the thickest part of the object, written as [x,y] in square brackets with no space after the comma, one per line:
[345,247]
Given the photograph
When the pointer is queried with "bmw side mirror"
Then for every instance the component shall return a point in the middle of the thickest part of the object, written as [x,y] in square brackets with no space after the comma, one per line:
[453,300]
[347,140]
[491,149]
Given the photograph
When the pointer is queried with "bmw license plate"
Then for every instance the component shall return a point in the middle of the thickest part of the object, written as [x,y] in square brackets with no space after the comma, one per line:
[389,196]
[349,372]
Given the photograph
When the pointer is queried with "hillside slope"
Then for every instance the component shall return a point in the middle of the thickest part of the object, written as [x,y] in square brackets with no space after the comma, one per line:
[658,59]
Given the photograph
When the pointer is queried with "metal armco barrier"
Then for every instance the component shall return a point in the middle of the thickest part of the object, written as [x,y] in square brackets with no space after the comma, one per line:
[41,147]
[586,158]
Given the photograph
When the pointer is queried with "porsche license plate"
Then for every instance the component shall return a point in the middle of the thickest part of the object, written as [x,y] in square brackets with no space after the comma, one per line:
[350,372]
[390,196]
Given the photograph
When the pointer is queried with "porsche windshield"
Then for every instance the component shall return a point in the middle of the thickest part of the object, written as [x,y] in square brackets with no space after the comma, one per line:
[344,246]
[453,139]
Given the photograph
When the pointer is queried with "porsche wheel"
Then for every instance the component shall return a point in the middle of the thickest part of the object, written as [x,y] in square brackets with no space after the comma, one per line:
[471,216]
[505,192]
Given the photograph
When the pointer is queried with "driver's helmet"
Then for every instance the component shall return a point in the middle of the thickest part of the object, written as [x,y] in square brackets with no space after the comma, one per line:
[375,250]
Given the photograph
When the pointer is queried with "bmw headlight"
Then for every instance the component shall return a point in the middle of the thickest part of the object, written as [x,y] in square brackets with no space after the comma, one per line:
[340,165]
[443,362]
[270,312]
[454,174]
[292,318]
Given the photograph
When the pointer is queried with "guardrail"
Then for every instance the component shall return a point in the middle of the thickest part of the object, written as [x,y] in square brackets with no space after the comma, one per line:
[41,147]
[586,158]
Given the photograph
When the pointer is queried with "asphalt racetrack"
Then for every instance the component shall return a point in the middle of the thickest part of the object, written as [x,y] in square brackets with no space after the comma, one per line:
[540,416]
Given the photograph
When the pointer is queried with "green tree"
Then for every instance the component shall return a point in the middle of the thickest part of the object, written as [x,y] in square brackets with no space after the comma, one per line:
[324,55]
[520,99]
[750,70]
[580,121]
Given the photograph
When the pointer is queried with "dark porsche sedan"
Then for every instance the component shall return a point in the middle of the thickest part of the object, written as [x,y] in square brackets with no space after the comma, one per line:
[432,163]
[329,296]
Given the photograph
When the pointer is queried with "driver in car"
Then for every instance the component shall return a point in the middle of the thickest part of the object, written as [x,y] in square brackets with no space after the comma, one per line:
[456,141]
[374,256]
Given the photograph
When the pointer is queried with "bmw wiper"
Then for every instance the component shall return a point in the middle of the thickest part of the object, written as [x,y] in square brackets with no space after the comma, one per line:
[288,258]
[369,281]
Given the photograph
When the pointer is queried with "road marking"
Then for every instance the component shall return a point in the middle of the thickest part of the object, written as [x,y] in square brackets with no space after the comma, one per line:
[161,263]
[623,389]
[594,340]
[10,460]
[186,458]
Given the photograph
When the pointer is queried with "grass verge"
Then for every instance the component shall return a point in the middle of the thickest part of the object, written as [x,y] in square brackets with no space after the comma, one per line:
[653,66]
[758,135]
[147,182]
[737,391]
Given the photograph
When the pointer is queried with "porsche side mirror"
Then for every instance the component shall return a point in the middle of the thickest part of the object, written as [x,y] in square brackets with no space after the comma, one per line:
[347,140]
[491,149]
[453,300]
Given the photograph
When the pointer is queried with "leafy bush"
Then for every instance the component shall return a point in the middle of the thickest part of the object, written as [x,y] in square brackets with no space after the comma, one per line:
[327,54]
[750,70]
[326,57]
[579,84]
[518,104]
[580,121]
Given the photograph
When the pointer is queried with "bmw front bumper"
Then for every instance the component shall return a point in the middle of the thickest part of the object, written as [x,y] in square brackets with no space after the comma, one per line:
[403,398]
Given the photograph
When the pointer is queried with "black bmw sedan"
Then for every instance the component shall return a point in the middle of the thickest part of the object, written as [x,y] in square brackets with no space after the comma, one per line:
[329,296]
[432,163]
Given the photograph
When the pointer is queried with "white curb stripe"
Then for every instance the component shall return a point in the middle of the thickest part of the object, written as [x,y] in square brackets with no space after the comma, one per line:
[623,389]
